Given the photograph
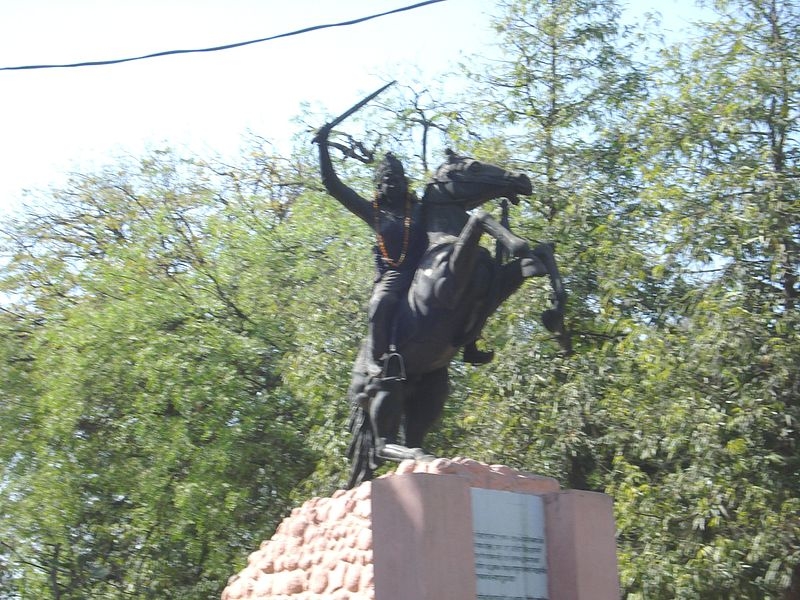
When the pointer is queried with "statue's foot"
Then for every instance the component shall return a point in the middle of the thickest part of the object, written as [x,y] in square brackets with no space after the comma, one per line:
[362,399]
[375,369]
[368,392]
[398,453]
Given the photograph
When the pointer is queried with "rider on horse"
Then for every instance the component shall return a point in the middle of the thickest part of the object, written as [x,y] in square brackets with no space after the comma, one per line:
[395,215]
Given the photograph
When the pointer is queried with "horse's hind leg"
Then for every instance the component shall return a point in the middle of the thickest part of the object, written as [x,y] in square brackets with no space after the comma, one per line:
[386,410]
[386,413]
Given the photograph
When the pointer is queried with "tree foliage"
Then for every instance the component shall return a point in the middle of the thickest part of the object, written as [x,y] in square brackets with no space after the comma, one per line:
[719,157]
[155,441]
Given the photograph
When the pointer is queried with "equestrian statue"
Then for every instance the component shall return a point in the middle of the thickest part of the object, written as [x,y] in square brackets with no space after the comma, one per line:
[435,288]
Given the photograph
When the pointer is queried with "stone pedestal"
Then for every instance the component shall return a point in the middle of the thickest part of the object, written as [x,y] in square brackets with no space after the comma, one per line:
[451,529]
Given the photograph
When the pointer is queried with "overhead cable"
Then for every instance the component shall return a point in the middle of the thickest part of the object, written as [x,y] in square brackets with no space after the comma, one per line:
[95,63]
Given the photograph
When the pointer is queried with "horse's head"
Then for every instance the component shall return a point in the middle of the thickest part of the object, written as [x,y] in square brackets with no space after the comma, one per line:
[470,183]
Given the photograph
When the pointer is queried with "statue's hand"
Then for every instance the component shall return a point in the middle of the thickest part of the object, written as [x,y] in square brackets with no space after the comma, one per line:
[322,135]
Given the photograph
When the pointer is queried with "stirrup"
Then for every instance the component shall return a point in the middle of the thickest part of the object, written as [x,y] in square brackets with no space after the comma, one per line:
[393,354]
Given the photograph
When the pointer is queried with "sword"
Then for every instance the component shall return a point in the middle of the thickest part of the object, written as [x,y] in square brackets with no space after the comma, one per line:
[322,134]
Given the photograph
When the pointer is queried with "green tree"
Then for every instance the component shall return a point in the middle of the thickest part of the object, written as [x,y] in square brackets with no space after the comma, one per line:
[708,501]
[155,441]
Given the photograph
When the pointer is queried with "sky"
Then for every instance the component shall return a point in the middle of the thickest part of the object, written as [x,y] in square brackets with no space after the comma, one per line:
[57,121]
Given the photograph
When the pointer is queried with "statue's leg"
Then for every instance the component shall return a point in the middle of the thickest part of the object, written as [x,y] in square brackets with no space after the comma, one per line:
[382,306]
[386,414]
[424,407]
[475,356]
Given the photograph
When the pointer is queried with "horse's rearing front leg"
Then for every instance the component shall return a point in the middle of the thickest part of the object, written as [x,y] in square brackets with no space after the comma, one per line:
[546,254]
[515,245]
[534,262]
[461,263]
[553,318]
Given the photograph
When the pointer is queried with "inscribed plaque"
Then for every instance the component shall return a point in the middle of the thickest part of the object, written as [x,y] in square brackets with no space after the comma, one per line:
[510,550]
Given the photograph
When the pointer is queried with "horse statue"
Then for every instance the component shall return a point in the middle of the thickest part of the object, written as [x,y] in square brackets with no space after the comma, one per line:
[457,286]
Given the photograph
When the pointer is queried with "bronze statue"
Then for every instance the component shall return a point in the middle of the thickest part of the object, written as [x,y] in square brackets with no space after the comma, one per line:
[444,287]
[400,241]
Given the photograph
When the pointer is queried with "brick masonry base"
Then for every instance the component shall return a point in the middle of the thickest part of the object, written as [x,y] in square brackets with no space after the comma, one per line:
[408,536]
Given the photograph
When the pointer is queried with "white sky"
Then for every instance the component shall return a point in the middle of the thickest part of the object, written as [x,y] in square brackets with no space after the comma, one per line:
[59,120]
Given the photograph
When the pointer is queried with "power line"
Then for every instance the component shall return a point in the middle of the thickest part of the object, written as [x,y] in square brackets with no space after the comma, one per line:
[95,63]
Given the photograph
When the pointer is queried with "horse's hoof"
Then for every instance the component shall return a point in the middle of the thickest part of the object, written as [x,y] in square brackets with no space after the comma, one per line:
[398,453]
[553,321]
[531,267]
[474,356]
[421,456]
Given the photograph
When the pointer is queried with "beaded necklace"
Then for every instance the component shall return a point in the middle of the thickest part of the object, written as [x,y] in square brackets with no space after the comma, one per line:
[406,232]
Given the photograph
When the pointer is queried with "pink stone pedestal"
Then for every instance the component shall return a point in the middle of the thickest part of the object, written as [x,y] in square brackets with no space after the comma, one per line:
[409,536]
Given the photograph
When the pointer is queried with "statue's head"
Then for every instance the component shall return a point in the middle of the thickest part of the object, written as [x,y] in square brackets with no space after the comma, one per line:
[390,181]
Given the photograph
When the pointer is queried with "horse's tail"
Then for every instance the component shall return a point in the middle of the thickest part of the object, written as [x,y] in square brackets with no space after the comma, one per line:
[361,451]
